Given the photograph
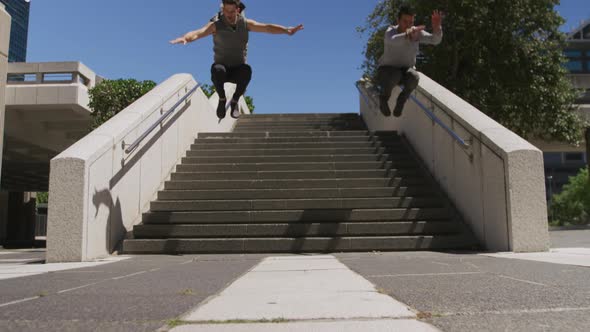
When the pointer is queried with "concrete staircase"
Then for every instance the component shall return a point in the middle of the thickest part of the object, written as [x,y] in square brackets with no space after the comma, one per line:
[299,183]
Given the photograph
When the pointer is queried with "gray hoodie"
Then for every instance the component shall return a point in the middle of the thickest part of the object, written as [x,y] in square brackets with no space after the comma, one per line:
[400,51]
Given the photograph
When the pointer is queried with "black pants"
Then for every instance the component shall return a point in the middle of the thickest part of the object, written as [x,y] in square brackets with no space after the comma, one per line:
[239,75]
[388,77]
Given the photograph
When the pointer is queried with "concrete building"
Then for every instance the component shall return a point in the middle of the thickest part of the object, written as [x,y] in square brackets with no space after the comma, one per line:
[578,54]
[43,110]
[44,115]
[19,11]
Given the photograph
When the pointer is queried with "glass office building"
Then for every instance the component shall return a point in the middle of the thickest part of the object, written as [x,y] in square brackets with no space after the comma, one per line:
[578,55]
[19,11]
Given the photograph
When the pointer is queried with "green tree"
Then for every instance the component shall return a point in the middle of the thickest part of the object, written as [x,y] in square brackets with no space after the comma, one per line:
[110,97]
[209,90]
[505,57]
[572,205]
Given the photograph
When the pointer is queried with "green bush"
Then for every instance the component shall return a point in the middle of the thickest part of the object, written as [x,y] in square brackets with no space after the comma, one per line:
[42,198]
[572,205]
[110,97]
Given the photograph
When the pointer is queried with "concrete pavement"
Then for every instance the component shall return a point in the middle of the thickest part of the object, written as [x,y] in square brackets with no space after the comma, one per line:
[425,291]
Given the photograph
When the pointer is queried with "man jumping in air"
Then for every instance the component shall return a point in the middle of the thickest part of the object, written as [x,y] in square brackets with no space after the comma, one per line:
[396,65]
[230,46]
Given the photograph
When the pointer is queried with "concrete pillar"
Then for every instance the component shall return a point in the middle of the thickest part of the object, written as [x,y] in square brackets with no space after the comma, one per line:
[4,41]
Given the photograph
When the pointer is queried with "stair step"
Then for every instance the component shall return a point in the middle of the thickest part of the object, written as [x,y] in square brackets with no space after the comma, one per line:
[397,157]
[316,145]
[299,116]
[293,183]
[283,175]
[179,195]
[321,166]
[354,139]
[297,204]
[269,134]
[301,123]
[298,122]
[295,230]
[296,216]
[288,152]
[274,128]
[290,245]
[343,139]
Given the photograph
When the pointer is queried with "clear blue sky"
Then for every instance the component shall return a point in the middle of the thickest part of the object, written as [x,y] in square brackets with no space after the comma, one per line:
[313,71]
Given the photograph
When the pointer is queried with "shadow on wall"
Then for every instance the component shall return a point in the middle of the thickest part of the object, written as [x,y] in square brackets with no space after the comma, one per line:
[115,219]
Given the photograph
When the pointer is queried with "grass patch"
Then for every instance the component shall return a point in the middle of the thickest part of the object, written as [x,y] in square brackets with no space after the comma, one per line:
[246,321]
[187,292]
[382,291]
[427,315]
[176,322]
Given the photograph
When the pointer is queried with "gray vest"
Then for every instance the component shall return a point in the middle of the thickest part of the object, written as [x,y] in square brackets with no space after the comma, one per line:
[231,45]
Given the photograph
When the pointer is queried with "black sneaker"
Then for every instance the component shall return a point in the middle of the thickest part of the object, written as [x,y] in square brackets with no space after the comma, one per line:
[384,107]
[235,110]
[399,107]
[221,109]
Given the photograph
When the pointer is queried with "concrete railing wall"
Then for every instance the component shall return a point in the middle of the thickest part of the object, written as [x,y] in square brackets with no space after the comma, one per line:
[497,183]
[97,193]
[4,42]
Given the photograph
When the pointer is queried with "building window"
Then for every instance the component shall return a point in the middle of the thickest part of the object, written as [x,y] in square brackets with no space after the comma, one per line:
[574,157]
[573,53]
[552,159]
[574,65]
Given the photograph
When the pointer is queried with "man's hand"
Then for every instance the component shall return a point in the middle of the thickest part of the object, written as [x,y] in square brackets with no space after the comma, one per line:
[179,40]
[436,21]
[293,30]
[414,33]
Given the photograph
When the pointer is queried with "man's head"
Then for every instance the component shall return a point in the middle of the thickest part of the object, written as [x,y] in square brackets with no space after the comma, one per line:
[405,17]
[231,9]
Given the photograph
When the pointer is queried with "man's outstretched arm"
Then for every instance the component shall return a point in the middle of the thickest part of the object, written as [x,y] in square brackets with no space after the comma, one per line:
[191,36]
[436,37]
[273,28]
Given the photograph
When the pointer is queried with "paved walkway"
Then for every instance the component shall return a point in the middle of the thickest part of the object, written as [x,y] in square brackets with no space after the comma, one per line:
[316,293]
[23,263]
[418,291]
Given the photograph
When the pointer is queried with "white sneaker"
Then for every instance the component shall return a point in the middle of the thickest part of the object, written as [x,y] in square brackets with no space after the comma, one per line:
[235,110]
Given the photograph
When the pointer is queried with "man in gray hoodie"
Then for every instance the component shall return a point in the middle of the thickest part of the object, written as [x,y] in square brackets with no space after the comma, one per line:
[396,65]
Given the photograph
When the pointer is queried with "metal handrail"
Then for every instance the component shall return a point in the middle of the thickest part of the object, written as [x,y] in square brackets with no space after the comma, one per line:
[164,116]
[438,121]
[429,113]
